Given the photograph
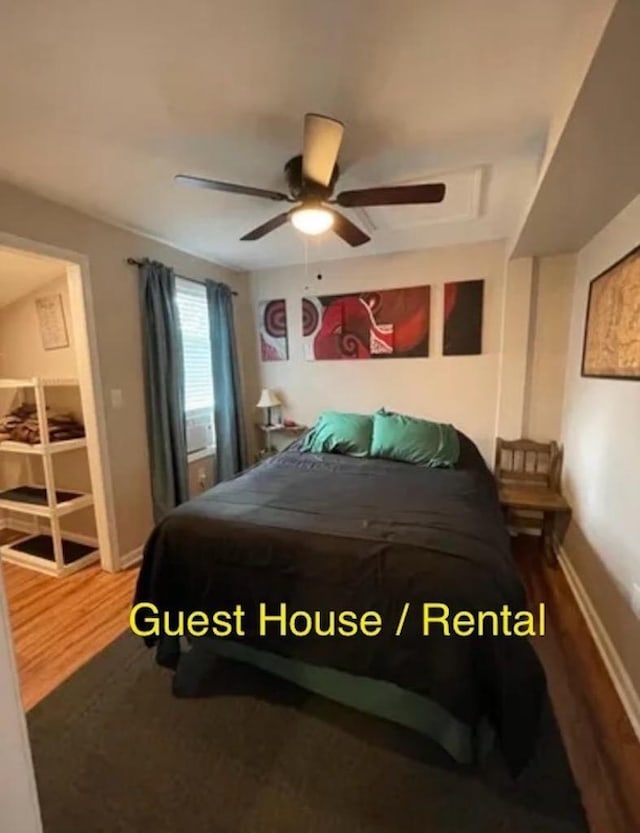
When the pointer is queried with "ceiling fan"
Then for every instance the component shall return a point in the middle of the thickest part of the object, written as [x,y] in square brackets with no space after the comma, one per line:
[311,178]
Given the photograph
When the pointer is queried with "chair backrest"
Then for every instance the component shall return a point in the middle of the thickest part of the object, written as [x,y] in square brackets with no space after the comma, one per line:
[528,462]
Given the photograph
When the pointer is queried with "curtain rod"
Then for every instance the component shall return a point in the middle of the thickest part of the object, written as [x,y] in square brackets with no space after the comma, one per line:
[133,262]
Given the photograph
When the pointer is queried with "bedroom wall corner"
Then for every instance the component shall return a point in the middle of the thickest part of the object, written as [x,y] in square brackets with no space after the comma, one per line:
[602,464]
[512,369]
[551,299]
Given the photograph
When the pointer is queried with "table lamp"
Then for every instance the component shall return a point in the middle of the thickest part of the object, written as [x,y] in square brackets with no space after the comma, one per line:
[268,400]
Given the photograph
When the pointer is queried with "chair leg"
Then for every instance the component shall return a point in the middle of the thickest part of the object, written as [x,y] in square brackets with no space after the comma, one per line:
[548,527]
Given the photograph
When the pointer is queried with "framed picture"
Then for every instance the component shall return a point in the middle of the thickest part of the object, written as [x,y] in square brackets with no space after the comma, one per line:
[611,348]
[384,324]
[53,327]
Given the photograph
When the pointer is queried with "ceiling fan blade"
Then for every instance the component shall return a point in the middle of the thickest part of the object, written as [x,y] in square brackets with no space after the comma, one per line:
[265,228]
[231,188]
[394,195]
[348,231]
[322,140]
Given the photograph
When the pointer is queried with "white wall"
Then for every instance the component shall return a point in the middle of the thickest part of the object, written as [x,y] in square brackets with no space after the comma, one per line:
[552,298]
[601,435]
[458,389]
[19,811]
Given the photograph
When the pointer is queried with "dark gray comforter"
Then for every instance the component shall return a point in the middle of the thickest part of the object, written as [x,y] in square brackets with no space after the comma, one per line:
[327,532]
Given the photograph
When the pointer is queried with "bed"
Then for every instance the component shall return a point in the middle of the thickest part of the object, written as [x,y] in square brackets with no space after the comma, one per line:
[327,532]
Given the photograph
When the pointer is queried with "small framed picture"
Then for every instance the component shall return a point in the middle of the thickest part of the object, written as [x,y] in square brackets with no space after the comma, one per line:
[53,327]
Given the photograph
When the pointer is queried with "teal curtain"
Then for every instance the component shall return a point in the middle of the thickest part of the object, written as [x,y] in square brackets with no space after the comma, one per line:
[231,452]
[164,387]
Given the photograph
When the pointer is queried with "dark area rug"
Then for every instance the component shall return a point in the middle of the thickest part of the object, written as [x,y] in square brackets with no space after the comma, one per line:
[115,752]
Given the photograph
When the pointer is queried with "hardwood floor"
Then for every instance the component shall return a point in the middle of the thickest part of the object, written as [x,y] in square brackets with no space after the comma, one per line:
[59,624]
[602,747]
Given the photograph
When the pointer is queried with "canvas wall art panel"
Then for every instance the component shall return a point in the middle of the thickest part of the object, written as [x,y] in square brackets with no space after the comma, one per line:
[385,324]
[463,305]
[611,347]
[272,327]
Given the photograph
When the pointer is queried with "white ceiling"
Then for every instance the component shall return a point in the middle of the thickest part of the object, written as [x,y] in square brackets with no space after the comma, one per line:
[21,273]
[102,103]
[601,138]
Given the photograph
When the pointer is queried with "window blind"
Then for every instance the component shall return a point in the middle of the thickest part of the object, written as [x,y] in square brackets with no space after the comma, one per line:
[191,298]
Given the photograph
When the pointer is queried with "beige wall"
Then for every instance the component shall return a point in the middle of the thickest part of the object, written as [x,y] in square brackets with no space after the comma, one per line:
[115,297]
[512,364]
[552,297]
[602,462]
[21,350]
[458,389]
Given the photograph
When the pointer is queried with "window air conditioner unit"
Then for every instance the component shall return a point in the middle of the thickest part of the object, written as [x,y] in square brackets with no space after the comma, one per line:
[199,431]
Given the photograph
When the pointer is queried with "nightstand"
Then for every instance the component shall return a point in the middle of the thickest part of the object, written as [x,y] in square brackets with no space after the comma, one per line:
[276,438]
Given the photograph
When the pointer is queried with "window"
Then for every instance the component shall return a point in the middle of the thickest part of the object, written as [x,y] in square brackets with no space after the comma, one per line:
[193,314]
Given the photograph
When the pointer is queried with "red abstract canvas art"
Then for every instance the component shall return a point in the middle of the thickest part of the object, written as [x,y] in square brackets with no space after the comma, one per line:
[463,303]
[389,324]
[274,341]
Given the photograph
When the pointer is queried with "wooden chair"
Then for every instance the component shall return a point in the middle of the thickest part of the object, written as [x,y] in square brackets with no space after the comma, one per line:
[528,475]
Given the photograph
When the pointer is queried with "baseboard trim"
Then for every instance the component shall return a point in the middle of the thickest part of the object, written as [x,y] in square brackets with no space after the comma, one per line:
[622,683]
[131,558]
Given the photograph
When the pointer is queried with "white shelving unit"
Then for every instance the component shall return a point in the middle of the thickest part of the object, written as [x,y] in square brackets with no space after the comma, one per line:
[38,448]
[36,381]
[54,504]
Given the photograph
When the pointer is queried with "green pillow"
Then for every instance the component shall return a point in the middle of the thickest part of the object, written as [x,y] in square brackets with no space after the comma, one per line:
[411,440]
[338,433]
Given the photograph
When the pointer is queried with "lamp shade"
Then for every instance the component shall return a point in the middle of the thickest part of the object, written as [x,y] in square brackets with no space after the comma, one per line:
[268,399]
[312,220]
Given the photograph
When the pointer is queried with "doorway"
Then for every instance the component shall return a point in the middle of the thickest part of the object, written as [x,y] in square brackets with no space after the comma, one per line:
[48,359]
[57,535]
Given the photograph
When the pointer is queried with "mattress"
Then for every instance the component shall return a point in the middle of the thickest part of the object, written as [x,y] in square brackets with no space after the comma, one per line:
[328,533]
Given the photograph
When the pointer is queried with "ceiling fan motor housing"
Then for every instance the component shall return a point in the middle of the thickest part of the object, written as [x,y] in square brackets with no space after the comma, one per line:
[300,188]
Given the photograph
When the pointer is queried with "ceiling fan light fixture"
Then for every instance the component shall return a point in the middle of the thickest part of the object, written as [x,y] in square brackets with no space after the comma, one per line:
[312,220]
[311,177]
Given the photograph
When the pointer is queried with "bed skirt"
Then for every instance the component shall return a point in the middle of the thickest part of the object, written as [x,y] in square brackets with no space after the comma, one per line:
[465,744]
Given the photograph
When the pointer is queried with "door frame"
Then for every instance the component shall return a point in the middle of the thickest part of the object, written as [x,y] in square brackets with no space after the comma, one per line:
[18,793]
[91,390]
